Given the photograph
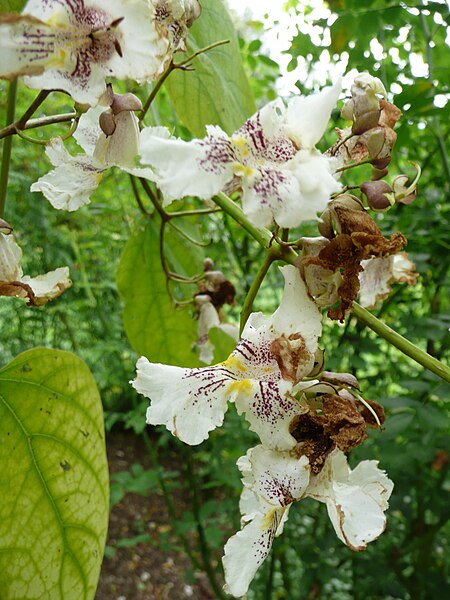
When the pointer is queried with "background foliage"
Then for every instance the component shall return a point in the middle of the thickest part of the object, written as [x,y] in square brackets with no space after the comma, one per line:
[410,561]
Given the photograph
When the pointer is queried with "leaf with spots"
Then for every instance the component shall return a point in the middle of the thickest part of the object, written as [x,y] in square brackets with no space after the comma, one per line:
[216,91]
[53,478]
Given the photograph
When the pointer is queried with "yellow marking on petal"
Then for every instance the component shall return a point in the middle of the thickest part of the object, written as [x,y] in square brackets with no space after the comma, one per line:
[244,386]
[266,523]
[241,146]
[233,362]
[243,170]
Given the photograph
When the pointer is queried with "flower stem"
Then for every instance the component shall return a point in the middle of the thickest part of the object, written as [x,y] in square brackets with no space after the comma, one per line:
[254,288]
[7,145]
[264,238]
[404,345]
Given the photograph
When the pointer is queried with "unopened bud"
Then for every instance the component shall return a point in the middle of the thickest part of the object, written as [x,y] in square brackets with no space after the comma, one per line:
[107,123]
[208,264]
[379,194]
[123,102]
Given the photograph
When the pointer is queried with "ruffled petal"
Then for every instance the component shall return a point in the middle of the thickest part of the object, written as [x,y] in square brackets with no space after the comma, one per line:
[247,550]
[356,500]
[272,481]
[307,117]
[70,185]
[198,168]
[189,402]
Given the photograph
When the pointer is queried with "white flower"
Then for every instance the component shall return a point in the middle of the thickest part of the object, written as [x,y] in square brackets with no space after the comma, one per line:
[75,45]
[272,481]
[379,273]
[356,501]
[35,290]
[272,356]
[75,178]
[271,157]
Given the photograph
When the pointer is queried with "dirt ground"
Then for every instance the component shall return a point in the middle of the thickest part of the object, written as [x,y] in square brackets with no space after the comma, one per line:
[143,571]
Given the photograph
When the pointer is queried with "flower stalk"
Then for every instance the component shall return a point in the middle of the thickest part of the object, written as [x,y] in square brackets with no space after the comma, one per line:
[7,145]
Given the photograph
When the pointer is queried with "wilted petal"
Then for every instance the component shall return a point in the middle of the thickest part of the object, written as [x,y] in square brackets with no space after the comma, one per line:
[37,290]
[49,286]
[356,500]
[70,185]
[379,273]
[10,258]
[307,117]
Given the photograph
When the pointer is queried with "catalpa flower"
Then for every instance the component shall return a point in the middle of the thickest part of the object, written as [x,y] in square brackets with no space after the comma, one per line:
[70,185]
[261,376]
[273,481]
[74,45]
[35,290]
[272,157]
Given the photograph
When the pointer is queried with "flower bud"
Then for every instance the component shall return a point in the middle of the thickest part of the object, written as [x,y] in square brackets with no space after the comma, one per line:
[121,102]
[379,194]
[193,12]
[107,123]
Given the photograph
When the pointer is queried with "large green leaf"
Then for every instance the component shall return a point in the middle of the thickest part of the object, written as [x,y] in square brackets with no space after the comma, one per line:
[217,92]
[53,478]
[154,327]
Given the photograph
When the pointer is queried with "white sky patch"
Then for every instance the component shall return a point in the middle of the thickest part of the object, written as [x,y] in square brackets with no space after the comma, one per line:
[280,28]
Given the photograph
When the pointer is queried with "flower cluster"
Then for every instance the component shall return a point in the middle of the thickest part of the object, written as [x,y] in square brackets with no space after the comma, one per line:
[305,417]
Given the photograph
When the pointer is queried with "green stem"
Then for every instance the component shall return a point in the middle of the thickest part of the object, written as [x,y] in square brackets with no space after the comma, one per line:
[7,145]
[254,288]
[264,238]
[156,89]
[404,345]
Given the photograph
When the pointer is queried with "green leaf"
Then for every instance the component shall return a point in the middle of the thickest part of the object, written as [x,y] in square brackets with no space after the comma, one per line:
[217,91]
[10,6]
[54,478]
[223,344]
[154,327]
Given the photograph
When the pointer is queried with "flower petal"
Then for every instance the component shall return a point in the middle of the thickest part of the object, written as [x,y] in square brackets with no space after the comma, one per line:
[307,117]
[189,402]
[247,550]
[198,168]
[10,258]
[49,286]
[70,185]
[356,500]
